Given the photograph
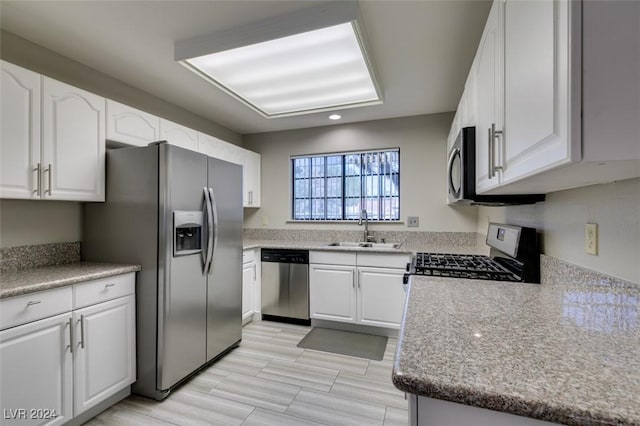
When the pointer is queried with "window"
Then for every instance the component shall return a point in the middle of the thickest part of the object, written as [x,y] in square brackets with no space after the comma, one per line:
[339,186]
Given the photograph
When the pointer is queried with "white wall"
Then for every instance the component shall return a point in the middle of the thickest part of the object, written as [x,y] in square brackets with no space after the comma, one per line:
[615,207]
[422,143]
[25,222]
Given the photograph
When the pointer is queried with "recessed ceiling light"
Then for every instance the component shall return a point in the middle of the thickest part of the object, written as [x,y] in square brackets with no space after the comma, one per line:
[308,61]
[335,117]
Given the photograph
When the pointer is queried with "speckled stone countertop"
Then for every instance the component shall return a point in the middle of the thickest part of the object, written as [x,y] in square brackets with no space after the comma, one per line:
[405,248]
[561,352]
[15,283]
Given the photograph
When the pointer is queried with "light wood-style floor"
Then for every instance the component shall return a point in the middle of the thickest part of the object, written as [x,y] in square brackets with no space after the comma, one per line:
[270,381]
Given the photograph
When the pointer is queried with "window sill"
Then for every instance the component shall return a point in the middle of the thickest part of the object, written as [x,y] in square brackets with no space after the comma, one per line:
[347,222]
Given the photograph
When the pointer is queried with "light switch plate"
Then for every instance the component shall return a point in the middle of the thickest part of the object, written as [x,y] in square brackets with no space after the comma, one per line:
[591,238]
[412,221]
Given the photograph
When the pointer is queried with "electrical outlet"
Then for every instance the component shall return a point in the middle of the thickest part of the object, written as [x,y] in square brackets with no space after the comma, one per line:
[412,221]
[265,220]
[591,238]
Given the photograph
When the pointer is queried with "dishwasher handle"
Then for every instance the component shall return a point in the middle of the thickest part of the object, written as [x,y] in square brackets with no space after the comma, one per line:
[285,256]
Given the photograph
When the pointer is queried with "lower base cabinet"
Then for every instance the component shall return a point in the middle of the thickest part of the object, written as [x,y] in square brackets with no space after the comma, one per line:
[104,359]
[36,373]
[381,297]
[353,293]
[436,412]
[332,292]
[250,284]
[55,368]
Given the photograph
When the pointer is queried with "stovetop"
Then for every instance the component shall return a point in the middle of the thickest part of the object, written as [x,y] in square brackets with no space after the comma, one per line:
[461,266]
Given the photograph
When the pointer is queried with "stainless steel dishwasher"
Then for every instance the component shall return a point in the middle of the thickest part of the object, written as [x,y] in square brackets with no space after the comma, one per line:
[285,285]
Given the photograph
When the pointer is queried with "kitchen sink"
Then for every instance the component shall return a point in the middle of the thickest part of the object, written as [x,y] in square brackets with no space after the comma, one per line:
[364,245]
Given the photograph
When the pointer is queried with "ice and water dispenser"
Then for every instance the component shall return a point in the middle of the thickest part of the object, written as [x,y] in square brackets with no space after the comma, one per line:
[187,232]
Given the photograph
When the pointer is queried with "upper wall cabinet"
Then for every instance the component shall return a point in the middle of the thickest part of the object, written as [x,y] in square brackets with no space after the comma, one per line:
[178,135]
[20,162]
[53,139]
[131,126]
[249,160]
[488,69]
[73,142]
[540,107]
[251,196]
[539,66]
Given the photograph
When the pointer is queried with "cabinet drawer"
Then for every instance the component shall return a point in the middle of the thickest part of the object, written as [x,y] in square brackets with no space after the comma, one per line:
[332,258]
[34,306]
[384,260]
[248,256]
[96,291]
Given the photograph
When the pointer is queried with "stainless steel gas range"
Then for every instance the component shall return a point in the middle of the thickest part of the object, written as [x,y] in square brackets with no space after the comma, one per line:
[514,256]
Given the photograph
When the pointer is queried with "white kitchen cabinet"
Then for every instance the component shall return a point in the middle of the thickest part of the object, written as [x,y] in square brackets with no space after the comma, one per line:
[251,291]
[63,351]
[489,77]
[332,292]
[570,120]
[248,285]
[251,184]
[73,143]
[539,112]
[131,126]
[249,160]
[178,135]
[53,139]
[209,145]
[36,377]
[425,411]
[368,292]
[20,133]
[380,296]
[104,352]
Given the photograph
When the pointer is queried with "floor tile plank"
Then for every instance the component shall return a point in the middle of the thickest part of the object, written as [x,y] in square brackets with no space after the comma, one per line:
[335,410]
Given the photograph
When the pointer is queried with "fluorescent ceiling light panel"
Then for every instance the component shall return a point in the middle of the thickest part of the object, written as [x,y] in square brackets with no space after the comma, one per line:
[317,70]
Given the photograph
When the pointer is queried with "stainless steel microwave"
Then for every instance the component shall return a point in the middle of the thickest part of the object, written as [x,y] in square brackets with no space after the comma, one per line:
[461,176]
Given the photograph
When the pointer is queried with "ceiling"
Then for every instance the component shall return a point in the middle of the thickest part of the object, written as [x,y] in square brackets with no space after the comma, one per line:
[422,50]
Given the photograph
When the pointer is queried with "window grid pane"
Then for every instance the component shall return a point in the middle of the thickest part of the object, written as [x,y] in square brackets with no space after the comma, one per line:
[339,186]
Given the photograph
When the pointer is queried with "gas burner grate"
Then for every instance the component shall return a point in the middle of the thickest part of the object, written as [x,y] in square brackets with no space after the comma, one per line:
[461,266]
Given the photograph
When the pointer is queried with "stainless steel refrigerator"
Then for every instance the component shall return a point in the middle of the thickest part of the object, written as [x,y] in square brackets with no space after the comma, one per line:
[178,213]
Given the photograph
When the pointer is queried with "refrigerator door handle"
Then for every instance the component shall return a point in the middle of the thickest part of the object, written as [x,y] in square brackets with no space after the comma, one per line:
[208,254]
[214,210]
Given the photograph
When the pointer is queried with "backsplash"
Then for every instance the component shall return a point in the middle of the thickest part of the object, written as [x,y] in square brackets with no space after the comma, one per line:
[554,270]
[461,242]
[24,257]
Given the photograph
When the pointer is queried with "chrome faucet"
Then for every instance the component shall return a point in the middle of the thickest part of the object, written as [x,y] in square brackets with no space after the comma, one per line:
[367,238]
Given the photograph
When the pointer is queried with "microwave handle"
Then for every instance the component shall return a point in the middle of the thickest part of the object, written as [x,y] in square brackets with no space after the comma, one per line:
[450,169]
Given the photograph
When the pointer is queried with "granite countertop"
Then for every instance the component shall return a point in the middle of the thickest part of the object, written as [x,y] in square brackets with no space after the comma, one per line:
[560,352]
[405,247]
[15,283]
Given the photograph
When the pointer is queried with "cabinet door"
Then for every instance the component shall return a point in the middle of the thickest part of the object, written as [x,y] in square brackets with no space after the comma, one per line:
[104,351]
[248,284]
[36,372]
[252,177]
[131,126]
[332,292]
[489,79]
[178,135]
[380,297]
[537,131]
[73,131]
[19,133]
[208,145]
